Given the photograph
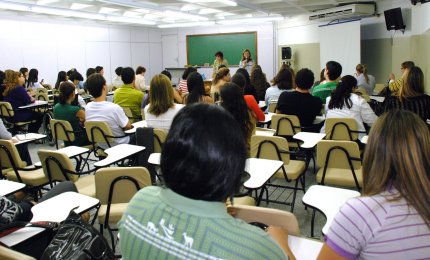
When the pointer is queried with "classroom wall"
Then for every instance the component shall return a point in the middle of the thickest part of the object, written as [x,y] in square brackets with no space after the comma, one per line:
[51,46]
[175,52]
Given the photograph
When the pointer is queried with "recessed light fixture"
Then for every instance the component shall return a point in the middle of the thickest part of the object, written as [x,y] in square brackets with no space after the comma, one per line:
[107,10]
[250,20]
[176,25]
[209,11]
[78,6]
[44,2]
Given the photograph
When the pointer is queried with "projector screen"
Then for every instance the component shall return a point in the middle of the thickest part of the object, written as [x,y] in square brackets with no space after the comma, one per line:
[341,43]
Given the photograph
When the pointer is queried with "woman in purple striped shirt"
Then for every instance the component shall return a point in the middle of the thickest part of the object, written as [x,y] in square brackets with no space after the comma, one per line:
[391,220]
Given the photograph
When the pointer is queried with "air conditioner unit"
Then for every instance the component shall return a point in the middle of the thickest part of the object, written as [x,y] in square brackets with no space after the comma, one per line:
[345,12]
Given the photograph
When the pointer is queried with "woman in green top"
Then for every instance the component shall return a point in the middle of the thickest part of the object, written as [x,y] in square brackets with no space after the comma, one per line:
[219,60]
[75,115]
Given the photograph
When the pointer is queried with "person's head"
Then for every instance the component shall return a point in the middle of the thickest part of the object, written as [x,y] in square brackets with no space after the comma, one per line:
[400,140]
[333,70]
[257,77]
[160,95]
[61,76]
[95,85]
[118,71]
[406,66]
[127,75]
[167,73]
[90,71]
[24,72]
[76,77]
[305,79]
[210,171]
[140,70]
[219,56]
[246,55]
[67,92]
[341,95]
[12,80]
[222,74]
[239,80]
[245,74]
[2,77]
[33,76]
[70,72]
[233,102]
[187,72]
[196,87]
[413,84]
[100,70]
[285,78]
[362,69]
[322,73]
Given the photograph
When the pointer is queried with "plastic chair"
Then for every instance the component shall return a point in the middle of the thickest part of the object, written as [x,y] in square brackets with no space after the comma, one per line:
[341,129]
[8,114]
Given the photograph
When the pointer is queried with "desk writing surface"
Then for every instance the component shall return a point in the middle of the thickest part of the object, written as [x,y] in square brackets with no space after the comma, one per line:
[117,153]
[9,187]
[260,171]
[35,104]
[304,248]
[309,139]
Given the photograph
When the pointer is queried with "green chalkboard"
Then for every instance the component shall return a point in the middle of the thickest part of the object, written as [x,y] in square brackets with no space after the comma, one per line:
[201,48]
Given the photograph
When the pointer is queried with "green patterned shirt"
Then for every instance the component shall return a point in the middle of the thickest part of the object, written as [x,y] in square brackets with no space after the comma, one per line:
[324,90]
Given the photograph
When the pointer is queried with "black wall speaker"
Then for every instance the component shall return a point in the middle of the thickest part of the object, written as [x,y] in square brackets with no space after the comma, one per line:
[394,19]
[286,53]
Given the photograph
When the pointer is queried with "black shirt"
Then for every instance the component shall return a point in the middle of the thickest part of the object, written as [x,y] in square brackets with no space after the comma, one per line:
[305,106]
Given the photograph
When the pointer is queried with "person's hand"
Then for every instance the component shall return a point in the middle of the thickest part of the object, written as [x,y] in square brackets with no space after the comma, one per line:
[14,140]
[392,77]
[280,235]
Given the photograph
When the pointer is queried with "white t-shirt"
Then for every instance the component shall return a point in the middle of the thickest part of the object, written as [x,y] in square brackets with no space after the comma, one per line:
[360,111]
[140,82]
[35,85]
[369,87]
[113,115]
[162,121]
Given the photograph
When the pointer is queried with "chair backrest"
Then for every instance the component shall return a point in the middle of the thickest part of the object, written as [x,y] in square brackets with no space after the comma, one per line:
[99,132]
[142,112]
[9,254]
[270,147]
[42,90]
[338,154]
[378,87]
[120,182]
[6,110]
[9,156]
[341,129]
[129,113]
[55,163]
[159,139]
[62,130]
[42,96]
[285,125]
[268,216]
[363,93]
[272,106]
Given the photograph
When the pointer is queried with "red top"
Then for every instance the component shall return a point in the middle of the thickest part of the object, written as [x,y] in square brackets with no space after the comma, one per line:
[253,106]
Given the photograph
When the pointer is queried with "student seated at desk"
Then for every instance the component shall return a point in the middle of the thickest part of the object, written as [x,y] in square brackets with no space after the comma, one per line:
[202,164]
[221,77]
[17,96]
[128,95]
[391,220]
[197,90]
[332,72]
[182,87]
[259,81]
[257,113]
[161,110]
[176,96]
[283,81]
[75,115]
[33,81]
[102,110]
[22,148]
[76,79]
[61,77]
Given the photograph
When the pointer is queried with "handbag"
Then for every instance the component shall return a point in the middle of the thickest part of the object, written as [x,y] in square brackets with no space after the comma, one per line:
[76,239]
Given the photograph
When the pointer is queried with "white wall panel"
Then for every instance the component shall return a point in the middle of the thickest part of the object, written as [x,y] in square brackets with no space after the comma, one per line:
[119,34]
[43,57]
[71,54]
[120,54]
[11,54]
[140,57]
[95,33]
[139,34]
[98,54]
[155,59]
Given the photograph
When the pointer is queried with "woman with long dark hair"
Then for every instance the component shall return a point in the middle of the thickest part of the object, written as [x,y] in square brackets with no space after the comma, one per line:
[196,90]
[61,77]
[283,81]
[33,80]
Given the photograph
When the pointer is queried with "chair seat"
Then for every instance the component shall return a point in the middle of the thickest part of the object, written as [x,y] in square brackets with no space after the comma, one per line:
[86,185]
[101,153]
[33,178]
[340,177]
[294,169]
[116,212]
[246,200]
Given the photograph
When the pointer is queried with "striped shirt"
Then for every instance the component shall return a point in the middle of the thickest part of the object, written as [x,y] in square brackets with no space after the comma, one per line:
[376,228]
[182,87]
[161,224]
[419,105]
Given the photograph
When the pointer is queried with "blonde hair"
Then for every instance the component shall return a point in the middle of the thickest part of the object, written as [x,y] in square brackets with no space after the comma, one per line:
[413,84]
[11,81]
[398,154]
[220,74]
[160,95]
[362,68]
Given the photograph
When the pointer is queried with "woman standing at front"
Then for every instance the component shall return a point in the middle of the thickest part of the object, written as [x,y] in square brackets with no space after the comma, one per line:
[246,62]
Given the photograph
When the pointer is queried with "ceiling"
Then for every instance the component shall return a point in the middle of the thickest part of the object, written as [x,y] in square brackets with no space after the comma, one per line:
[169,13]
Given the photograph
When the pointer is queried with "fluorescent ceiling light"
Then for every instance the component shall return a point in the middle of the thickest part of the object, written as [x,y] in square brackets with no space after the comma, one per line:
[209,11]
[132,14]
[65,12]
[15,7]
[226,2]
[153,16]
[122,19]
[181,15]
[250,20]
[188,7]
[44,2]
[107,10]
[176,25]
[78,6]
[168,20]
[141,10]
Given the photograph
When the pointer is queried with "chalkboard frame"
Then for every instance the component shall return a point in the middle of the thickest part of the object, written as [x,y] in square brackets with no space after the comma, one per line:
[254,57]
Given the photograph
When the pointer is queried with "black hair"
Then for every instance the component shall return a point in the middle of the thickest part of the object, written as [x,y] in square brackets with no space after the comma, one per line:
[95,84]
[187,72]
[305,78]
[2,77]
[222,66]
[334,69]
[167,73]
[196,88]
[239,80]
[408,64]
[98,69]
[245,74]
[33,77]
[342,94]
[23,70]
[62,76]
[212,170]
[127,75]
[76,76]
[219,53]
[90,71]
[118,71]
[140,70]
[66,89]
[71,71]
